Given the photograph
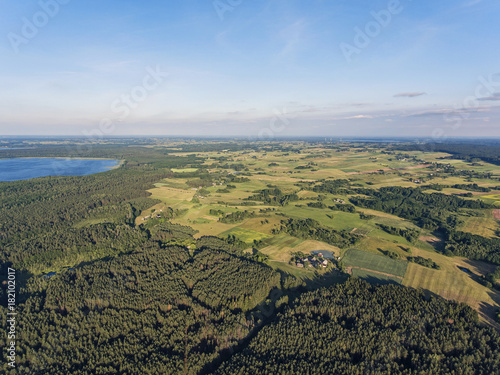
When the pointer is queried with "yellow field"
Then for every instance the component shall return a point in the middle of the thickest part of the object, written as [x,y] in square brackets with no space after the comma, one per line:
[185,170]
[284,253]
[168,194]
[245,235]
[452,283]
[483,226]
[492,196]
[256,224]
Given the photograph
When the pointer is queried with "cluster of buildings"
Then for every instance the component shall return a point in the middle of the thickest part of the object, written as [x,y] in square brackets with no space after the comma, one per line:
[316,261]
[158,216]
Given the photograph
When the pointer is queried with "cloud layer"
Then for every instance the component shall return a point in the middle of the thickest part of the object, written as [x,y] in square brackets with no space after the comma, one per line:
[409,94]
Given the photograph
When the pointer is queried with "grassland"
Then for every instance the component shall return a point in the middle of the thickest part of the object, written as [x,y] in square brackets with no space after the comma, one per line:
[373,262]
[492,198]
[485,226]
[245,235]
[452,283]
[366,167]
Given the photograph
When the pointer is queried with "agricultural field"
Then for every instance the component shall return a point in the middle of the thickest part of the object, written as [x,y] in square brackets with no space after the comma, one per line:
[485,225]
[492,198]
[380,264]
[451,282]
[185,170]
[229,182]
[245,235]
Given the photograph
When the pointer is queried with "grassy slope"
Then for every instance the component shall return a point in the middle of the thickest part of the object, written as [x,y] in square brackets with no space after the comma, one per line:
[452,283]
[374,262]
[484,226]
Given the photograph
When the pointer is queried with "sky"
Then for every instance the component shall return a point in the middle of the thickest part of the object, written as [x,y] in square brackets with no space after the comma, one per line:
[261,69]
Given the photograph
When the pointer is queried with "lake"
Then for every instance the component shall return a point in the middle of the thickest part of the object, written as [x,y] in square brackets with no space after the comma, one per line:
[326,254]
[24,169]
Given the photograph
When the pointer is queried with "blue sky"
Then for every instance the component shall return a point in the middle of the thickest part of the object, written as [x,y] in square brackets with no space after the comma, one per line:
[276,68]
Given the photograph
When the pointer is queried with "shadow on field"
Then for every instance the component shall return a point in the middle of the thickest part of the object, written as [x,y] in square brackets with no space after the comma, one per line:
[374,280]
[488,311]
[20,279]
[482,267]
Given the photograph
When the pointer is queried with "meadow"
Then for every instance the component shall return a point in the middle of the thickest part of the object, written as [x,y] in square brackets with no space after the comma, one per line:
[358,259]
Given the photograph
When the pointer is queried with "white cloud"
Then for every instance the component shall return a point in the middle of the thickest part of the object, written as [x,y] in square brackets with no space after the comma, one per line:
[495,96]
[358,117]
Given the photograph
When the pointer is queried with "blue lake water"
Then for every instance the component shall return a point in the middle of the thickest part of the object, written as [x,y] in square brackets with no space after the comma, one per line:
[326,254]
[24,169]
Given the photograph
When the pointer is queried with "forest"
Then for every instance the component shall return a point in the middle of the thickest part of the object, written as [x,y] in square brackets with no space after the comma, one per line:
[429,263]
[273,196]
[158,310]
[355,328]
[466,151]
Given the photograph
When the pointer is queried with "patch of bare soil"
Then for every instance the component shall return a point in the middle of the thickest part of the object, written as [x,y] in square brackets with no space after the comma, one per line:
[431,240]
[496,214]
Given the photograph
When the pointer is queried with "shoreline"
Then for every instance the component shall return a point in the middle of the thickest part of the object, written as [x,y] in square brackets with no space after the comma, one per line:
[57,157]
[118,163]
[62,163]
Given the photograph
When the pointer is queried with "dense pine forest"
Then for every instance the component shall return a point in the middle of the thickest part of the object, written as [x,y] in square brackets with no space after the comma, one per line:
[488,151]
[360,329]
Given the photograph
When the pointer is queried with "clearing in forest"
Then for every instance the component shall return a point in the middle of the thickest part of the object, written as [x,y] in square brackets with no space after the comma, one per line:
[245,235]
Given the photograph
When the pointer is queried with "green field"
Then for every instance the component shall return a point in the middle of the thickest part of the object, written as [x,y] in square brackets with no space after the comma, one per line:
[282,240]
[492,199]
[245,235]
[379,263]
[492,196]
